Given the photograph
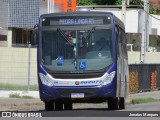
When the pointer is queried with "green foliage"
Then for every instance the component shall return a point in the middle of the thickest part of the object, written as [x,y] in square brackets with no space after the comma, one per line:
[143,100]
[118,2]
[105,2]
[27,97]
[98,2]
[136,2]
[85,2]
[16,95]
[151,9]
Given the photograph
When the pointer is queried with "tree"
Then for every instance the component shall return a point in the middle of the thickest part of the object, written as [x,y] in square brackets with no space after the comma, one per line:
[85,2]
[115,2]
[136,2]
[107,2]
[96,2]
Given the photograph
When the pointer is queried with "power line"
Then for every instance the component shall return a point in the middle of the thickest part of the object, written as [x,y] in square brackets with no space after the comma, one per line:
[151,15]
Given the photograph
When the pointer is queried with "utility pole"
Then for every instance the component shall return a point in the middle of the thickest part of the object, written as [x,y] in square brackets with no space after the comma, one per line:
[146,8]
[29,64]
[145,31]
[124,2]
[50,6]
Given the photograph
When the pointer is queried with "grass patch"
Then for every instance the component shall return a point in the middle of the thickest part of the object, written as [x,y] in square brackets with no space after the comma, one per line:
[16,95]
[27,97]
[143,100]
[18,87]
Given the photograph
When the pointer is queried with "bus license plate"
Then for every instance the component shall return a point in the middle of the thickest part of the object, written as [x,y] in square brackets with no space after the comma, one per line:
[77,95]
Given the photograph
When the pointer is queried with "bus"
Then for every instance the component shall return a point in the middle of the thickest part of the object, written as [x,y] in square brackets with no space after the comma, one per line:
[82,58]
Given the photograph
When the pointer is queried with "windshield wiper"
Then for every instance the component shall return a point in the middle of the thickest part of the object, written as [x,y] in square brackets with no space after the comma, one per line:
[67,39]
[87,37]
[64,36]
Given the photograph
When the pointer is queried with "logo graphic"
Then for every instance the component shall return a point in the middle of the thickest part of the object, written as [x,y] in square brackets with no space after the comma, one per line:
[60,60]
[99,54]
[77,83]
[6,114]
[82,65]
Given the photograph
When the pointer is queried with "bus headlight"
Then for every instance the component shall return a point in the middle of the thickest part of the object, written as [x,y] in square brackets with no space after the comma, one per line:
[46,79]
[108,79]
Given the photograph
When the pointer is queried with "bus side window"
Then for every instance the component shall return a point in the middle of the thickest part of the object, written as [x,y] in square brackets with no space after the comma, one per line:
[120,42]
[117,40]
[124,42]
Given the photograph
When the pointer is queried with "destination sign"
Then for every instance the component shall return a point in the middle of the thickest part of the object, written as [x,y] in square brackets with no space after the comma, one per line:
[79,21]
[76,20]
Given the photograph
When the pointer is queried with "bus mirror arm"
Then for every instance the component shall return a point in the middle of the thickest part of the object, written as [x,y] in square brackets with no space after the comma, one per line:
[34,38]
[36,26]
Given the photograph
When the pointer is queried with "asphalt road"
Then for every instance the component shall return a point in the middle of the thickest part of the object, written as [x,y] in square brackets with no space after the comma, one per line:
[83,111]
[155,106]
[100,113]
[150,108]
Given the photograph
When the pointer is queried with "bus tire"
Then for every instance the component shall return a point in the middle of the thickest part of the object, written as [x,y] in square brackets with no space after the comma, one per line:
[68,105]
[58,105]
[122,103]
[49,106]
[113,104]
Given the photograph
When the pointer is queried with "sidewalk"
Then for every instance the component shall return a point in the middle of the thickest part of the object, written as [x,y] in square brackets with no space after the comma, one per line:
[5,94]
[151,94]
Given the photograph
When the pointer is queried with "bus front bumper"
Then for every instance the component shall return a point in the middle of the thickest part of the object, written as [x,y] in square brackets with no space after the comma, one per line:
[76,93]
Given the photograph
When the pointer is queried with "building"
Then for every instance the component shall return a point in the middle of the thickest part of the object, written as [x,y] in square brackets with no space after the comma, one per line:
[18,17]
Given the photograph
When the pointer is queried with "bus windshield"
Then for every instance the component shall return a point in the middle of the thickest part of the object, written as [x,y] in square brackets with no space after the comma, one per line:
[74,49]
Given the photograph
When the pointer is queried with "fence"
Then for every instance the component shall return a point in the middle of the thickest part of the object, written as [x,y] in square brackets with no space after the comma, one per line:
[18,66]
[144,77]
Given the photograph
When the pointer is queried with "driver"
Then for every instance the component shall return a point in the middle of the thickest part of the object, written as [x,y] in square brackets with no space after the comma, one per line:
[101,45]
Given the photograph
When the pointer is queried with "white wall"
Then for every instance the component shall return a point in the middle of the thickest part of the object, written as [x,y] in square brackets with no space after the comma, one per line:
[156,23]
[150,57]
[14,66]
[132,19]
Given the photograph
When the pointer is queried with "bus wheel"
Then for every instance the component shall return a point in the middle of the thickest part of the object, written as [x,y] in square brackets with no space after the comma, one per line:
[113,104]
[58,105]
[49,106]
[68,105]
[122,103]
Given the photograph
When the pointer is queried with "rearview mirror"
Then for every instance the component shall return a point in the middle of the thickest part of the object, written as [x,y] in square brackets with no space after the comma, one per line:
[34,39]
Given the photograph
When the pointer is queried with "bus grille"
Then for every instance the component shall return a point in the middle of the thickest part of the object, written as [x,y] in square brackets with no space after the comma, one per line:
[88,92]
[77,76]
